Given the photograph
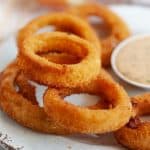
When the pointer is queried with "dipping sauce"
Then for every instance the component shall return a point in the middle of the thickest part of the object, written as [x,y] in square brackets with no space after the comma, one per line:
[133,60]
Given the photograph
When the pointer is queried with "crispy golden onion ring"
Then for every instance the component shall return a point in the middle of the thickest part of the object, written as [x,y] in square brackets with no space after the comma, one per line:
[66,23]
[62,22]
[89,120]
[118,29]
[59,75]
[136,134]
[20,108]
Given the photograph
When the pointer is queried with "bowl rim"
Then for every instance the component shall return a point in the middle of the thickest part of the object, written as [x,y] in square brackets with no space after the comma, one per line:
[115,53]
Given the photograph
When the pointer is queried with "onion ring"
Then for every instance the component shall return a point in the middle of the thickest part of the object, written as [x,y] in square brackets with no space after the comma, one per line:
[62,21]
[84,120]
[67,23]
[20,108]
[136,134]
[119,30]
[58,75]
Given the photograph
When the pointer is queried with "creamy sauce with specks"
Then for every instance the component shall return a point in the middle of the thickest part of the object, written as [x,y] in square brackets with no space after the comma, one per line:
[133,61]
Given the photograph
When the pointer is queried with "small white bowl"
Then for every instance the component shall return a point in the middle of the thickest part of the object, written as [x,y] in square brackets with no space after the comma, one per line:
[113,60]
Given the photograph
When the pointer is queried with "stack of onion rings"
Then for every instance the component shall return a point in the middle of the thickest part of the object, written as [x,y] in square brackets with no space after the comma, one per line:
[67,61]
[136,134]
[58,75]
[118,29]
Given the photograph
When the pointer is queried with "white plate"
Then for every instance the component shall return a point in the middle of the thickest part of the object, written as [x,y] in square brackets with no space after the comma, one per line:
[19,137]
